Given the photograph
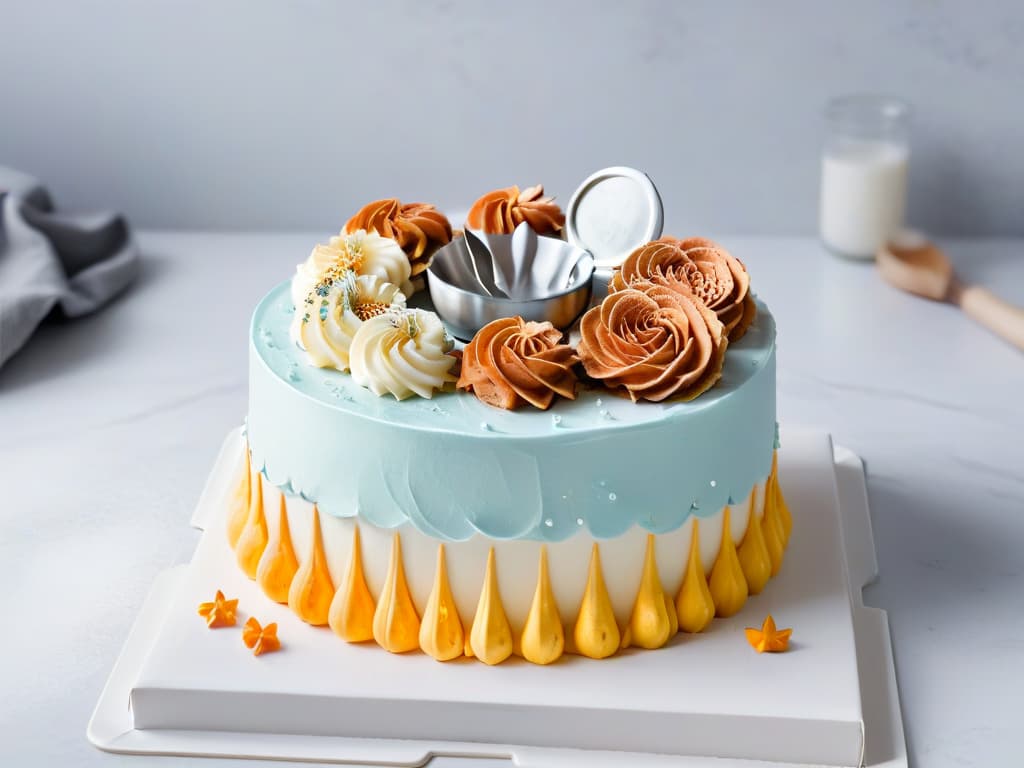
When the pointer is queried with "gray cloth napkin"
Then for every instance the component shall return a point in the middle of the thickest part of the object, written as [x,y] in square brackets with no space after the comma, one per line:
[55,262]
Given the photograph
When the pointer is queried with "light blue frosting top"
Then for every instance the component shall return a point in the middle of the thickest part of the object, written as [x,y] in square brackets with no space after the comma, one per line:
[453,466]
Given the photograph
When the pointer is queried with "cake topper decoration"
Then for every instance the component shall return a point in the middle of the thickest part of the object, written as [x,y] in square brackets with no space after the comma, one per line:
[652,342]
[501,211]
[327,320]
[219,612]
[365,253]
[418,228]
[614,211]
[698,267]
[260,639]
[483,277]
[768,638]
[402,353]
[512,362]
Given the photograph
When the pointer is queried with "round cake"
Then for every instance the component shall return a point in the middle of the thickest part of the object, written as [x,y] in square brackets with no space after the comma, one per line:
[590,521]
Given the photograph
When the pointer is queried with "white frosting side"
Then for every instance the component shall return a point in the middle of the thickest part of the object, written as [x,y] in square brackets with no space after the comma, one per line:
[402,353]
[327,319]
[366,253]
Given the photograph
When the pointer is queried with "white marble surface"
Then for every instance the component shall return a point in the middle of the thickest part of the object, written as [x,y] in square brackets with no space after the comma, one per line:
[109,425]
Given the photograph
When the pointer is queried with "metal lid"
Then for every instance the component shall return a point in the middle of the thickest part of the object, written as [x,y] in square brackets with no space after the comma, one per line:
[613,212]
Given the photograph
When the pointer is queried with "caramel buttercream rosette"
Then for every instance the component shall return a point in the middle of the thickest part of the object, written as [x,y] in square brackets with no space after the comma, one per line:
[501,211]
[696,266]
[511,362]
[654,342]
[419,228]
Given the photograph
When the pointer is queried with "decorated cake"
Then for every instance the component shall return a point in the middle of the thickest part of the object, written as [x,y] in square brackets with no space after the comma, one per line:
[544,433]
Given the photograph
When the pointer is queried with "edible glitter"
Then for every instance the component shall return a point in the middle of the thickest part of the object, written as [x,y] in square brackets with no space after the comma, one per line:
[714,483]
[579,521]
[549,522]
[612,497]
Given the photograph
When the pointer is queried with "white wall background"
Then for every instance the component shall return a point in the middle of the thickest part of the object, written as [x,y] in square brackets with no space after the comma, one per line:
[230,114]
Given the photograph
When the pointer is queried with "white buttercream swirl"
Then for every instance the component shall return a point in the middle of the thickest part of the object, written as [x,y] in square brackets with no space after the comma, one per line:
[365,253]
[326,321]
[402,353]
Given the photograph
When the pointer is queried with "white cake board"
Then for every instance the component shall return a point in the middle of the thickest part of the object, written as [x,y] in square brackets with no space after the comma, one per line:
[142,671]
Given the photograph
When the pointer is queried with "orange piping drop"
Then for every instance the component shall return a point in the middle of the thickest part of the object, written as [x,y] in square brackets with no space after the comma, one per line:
[771,528]
[649,623]
[673,615]
[253,539]
[441,632]
[596,634]
[311,590]
[351,612]
[238,505]
[491,634]
[396,625]
[543,639]
[753,553]
[784,514]
[278,563]
[694,604]
[727,585]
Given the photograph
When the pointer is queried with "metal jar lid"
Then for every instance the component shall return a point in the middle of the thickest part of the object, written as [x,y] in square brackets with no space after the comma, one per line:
[612,213]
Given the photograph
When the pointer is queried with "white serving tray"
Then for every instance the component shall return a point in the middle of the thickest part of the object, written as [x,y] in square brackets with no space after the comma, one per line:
[831,696]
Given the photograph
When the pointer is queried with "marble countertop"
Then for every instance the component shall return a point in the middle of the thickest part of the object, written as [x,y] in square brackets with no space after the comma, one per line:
[108,427]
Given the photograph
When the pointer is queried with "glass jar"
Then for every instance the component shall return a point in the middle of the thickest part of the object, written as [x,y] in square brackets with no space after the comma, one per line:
[863,173]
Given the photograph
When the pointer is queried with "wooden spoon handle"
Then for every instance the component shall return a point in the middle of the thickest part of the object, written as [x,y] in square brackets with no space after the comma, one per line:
[1000,317]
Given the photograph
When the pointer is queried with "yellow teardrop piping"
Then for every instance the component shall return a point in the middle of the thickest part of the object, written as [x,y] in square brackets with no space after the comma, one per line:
[626,637]
[352,609]
[312,591]
[596,634]
[441,632]
[694,604]
[238,504]
[772,486]
[278,565]
[727,585]
[784,514]
[570,641]
[673,615]
[649,624]
[253,539]
[396,625]
[543,639]
[753,553]
[491,634]
[771,528]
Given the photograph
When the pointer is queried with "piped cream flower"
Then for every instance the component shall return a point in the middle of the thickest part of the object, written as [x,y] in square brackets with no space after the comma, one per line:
[327,320]
[365,253]
[501,211]
[654,342]
[511,362]
[402,353]
[418,227]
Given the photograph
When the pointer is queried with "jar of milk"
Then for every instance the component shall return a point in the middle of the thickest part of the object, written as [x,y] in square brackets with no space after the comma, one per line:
[863,173]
